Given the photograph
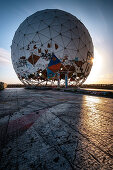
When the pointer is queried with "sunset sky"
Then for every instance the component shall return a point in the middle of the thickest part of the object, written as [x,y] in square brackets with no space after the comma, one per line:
[96,15]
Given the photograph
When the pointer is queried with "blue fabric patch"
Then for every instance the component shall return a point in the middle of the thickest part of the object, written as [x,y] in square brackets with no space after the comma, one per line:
[50,74]
[76,58]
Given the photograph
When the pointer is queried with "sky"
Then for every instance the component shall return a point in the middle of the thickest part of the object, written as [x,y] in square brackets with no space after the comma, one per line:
[96,15]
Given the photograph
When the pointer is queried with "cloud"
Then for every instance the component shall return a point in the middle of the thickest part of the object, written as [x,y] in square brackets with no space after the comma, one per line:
[5,56]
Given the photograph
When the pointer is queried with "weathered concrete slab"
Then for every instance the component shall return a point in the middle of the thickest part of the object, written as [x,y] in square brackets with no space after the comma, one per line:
[55,130]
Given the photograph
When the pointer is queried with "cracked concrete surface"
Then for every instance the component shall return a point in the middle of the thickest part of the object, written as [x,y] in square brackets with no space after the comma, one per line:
[41,130]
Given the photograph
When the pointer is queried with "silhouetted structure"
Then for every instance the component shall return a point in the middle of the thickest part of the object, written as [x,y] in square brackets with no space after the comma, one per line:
[93,86]
[2,85]
[98,86]
[15,85]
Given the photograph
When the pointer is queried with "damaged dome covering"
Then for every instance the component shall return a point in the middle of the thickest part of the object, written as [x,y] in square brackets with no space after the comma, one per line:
[51,47]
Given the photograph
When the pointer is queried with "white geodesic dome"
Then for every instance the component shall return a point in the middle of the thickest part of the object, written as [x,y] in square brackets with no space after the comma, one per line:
[52,47]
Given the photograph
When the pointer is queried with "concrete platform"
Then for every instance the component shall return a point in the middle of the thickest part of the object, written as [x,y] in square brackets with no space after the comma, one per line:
[55,130]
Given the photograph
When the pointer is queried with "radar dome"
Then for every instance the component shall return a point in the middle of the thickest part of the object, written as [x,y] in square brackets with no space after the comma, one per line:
[52,47]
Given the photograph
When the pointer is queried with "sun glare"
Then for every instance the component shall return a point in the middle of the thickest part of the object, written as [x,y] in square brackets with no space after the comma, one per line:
[96,68]
[97,61]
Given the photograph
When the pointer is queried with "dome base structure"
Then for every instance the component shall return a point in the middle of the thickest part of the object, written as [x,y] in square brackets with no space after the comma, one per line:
[52,48]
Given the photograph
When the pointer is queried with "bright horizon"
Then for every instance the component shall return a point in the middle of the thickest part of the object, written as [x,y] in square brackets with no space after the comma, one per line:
[99,25]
